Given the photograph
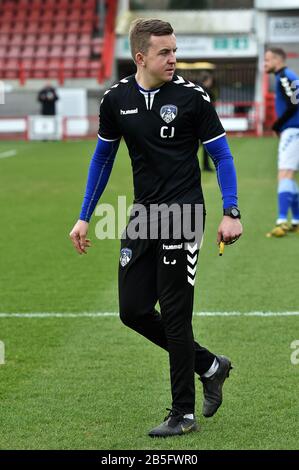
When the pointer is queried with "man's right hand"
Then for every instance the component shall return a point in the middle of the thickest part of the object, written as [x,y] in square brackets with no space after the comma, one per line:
[78,237]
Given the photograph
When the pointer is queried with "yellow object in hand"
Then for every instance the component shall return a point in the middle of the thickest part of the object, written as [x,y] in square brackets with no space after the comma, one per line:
[221,248]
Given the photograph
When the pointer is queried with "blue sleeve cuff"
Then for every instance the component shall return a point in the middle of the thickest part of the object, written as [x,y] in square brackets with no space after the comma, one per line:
[99,171]
[226,173]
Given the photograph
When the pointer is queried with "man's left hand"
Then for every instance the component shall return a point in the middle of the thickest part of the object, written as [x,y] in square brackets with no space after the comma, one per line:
[229,230]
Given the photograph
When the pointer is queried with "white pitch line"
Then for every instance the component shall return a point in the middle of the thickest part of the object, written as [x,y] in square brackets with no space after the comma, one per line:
[115,314]
[8,153]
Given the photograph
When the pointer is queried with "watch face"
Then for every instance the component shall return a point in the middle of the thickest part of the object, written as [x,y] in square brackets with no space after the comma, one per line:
[235,212]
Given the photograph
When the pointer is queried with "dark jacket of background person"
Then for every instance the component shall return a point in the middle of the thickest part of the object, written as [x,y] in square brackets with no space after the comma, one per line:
[48,97]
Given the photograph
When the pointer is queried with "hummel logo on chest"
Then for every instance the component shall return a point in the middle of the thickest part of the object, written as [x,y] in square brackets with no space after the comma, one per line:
[129,111]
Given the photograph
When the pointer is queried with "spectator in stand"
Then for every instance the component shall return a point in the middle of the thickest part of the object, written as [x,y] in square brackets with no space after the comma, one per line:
[48,97]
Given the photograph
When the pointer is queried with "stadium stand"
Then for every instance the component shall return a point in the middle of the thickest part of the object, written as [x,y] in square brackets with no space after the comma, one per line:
[61,39]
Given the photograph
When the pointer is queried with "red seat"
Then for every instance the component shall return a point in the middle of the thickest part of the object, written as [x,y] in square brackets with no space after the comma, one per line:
[47,16]
[81,63]
[34,16]
[81,73]
[73,27]
[44,40]
[19,28]
[81,69]
[36,4]
[24,4]
[17,40]
[94,68]
[55,52]
[39,63]
[7,17]
[78,4]
[7,29]
[69,62]
[27,64]
[19,22]
[40,68]
[68,68]
[53,63]
[10,6]
[12,64]
[14,52]
[88,15]
[30,40]
[60,17]
[63,5]
[83,51]
[32,28]
[12,68]
[97,46]
[74,16]
[71,39]
[47,28]
[28,52]
[42,52]
[63,9]
[54,67]
[90,5]
[49,5]
[70,51]
[21,13]
[85,40]
[4,39]
[59,28]
[58,40]
[86,27]
[3,52]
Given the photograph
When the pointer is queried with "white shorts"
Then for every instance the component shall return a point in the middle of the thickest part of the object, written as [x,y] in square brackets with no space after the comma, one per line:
[288,151]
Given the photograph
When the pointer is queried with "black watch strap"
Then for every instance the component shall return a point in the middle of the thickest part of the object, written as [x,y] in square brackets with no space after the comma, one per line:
[232,212]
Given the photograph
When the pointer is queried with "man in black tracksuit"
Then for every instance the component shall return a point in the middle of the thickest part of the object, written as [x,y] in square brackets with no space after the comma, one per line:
[162,118]
[48,97]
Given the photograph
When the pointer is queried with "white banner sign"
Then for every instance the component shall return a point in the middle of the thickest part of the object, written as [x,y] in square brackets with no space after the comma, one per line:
[283,29]
[276,4]
[44,127]
[11,125]
[199,47]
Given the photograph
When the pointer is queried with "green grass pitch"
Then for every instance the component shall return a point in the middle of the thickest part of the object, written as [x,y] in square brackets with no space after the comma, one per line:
[90,383]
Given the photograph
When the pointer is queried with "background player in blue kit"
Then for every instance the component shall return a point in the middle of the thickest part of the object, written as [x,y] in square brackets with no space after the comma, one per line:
[287,127]
[162,117]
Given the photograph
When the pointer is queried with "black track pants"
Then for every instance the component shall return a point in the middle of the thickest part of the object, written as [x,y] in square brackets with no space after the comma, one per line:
[164,271]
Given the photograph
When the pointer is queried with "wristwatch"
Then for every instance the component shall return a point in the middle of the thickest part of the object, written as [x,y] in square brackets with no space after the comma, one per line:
[232,212]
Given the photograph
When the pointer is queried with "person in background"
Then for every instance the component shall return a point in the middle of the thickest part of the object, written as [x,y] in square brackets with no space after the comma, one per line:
[48,97]
[287,128]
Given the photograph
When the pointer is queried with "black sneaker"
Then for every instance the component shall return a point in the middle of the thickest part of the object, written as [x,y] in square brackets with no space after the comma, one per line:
[174,425]
[212,387]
